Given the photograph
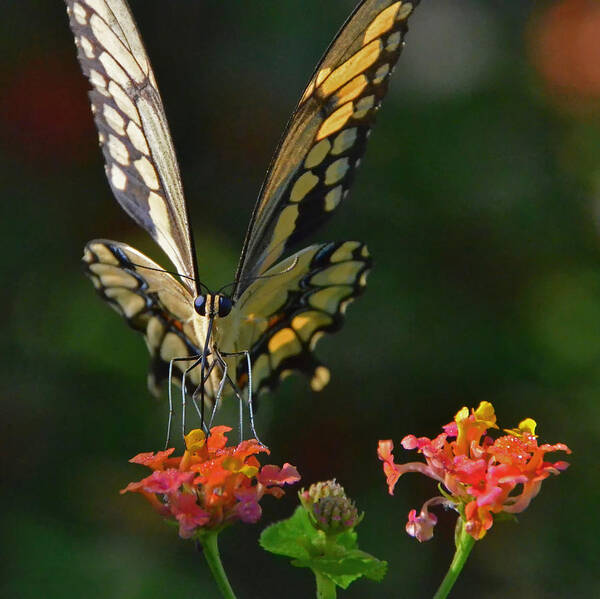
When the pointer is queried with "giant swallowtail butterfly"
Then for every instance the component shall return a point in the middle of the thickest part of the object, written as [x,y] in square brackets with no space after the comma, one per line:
[277,309]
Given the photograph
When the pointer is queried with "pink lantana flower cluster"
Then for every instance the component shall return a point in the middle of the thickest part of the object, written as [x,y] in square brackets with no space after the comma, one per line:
[479,477]
[212,484]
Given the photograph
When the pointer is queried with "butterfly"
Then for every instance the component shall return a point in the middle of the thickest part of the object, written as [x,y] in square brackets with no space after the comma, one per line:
[267,326]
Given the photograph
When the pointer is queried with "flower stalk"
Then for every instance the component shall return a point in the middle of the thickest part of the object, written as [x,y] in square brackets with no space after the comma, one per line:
[464,544]
[210,548]
[325,587]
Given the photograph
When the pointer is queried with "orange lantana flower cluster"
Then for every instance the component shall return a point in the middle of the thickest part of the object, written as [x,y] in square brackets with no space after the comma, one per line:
[211,485]
[480,476]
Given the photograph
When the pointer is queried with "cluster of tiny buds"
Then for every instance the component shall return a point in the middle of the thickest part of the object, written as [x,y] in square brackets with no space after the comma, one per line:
[328,507]
[328,488]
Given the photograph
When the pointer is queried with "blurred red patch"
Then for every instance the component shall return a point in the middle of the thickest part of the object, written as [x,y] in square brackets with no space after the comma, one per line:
[565,48]
[44,112]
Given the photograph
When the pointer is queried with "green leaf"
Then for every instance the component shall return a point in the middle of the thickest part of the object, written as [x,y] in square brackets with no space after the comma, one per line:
[344,570]
[335,557]
[348,539]
[292,537]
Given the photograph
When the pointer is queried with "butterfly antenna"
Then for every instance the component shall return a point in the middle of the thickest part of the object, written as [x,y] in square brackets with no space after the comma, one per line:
[270,276]
[171,272]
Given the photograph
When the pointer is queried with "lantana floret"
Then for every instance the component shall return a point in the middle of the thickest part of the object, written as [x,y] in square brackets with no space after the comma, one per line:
[211,485]
[479,476]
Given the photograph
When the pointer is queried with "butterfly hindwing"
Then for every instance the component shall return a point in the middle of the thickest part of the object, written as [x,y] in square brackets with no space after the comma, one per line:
[326,137]
[285,315]
[280,320]
[151,301]
[139,157]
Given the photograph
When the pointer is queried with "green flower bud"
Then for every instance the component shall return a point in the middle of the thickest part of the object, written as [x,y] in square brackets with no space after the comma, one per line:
[328,507]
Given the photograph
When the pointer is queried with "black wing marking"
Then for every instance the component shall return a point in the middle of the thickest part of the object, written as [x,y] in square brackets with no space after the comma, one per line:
[326,137]
[140,159]
[287,314]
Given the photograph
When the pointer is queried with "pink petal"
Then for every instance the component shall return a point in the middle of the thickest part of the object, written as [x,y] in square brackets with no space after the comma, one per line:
[409,442]
[487,497]
[167,481]
[249,511]
[273,475]
[421,526]
[530,490]
[188,513]
[451,429]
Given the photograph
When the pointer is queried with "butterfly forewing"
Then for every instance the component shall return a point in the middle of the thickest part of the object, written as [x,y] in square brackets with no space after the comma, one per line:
[326,137]
[140,160]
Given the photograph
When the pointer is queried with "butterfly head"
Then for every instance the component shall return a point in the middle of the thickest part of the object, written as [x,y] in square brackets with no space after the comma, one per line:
[213,305]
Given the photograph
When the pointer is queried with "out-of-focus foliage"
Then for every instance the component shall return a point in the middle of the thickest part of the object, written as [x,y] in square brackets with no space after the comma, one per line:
[479,201]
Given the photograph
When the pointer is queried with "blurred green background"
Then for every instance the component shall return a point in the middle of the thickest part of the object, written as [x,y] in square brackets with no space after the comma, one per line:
[479,199]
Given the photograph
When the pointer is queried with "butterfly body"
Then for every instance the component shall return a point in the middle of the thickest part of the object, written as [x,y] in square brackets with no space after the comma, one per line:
[279,306]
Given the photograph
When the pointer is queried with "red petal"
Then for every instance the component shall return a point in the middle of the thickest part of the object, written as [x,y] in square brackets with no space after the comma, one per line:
[217,439]
[151,459]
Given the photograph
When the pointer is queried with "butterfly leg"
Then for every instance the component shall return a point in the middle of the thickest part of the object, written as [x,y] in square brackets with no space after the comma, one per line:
[204,374]
[223,365]
[245,353]
[170,382]
[226,377]
[199,388]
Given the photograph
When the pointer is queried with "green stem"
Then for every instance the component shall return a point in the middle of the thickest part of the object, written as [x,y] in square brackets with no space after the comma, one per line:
[211,553]
[325,587]
[464,544]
